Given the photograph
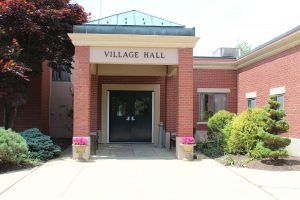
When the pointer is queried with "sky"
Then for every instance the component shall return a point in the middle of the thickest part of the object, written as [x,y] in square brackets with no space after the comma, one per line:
[218,23]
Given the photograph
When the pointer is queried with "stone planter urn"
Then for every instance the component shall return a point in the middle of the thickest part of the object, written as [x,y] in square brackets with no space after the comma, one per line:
[188,151]
[187,144]
[80,150]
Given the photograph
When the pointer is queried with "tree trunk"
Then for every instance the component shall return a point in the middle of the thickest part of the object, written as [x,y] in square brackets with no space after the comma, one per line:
[13,114]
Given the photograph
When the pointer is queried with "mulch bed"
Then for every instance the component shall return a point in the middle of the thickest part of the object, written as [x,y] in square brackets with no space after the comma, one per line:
[8,167]
[290,163]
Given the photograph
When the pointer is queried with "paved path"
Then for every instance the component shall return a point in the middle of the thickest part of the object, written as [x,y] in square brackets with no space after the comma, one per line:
[142,172]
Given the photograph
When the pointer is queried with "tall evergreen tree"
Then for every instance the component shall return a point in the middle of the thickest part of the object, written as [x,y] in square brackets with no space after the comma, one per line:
[272,145]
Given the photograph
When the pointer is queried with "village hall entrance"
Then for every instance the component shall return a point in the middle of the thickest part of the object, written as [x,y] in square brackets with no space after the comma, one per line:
[130,116]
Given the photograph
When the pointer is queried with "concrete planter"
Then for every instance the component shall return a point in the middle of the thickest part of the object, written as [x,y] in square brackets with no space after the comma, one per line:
[188,150]
[80,150]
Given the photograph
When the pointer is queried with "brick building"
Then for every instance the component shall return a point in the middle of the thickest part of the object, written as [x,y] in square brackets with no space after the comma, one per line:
[133,71]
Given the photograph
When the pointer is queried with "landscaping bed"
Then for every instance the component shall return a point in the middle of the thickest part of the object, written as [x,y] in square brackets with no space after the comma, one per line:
[8,167]
[290,163]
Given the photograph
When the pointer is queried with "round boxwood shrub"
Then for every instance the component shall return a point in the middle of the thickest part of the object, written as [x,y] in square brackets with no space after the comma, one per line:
[245,130]
[13,148]
[217,123]
[40,145]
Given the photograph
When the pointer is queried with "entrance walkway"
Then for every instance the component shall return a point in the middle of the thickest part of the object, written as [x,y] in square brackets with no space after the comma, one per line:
[133,172]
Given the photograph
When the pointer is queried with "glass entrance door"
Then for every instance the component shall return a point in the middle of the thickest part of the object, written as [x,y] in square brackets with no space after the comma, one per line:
[130,116]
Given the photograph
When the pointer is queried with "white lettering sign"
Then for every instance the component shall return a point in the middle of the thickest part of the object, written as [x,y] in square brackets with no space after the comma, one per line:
[134,56]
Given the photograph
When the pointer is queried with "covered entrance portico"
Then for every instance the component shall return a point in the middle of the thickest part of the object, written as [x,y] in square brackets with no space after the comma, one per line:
[129,78]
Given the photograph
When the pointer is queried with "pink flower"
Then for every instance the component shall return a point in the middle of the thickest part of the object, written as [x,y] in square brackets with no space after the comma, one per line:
[80,140]
[187,140]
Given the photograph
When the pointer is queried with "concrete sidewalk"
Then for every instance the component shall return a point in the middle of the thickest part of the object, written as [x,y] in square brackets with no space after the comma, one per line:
[140,172]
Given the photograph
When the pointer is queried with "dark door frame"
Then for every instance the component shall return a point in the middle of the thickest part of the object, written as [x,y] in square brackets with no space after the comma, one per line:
[108,114]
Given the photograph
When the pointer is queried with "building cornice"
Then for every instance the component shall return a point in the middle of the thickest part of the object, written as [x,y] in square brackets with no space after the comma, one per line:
[214,65]
[124,40]
[274,48]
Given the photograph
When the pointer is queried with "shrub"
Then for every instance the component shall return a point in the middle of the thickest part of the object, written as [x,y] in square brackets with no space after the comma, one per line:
[13,148]
[216,125]
[40,145]
[245,130]
[271,145]
[210,149]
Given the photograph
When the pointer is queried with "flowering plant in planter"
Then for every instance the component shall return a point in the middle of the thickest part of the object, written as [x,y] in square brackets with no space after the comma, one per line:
[80,144]
[188,144]
[187,140]
[80,141]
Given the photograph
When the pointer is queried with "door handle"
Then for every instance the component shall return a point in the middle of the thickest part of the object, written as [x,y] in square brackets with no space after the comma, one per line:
[132,118]
[128,118]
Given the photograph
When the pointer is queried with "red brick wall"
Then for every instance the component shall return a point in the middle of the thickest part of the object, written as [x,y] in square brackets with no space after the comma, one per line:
[184,125]
[214,78]
[29,115]
[45,97]
[276,71]
[171,105]
[133,80]
[94,103]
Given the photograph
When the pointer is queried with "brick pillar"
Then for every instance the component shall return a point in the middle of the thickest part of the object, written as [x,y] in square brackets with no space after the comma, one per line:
[184,125]
[45,97]
[94,103]
[82,92]
[82,96]
[171,103]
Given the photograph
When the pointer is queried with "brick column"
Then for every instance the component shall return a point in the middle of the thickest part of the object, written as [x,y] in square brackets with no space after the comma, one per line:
[82,97]
[171,104]
[184,125]
[94,103]
[82,92]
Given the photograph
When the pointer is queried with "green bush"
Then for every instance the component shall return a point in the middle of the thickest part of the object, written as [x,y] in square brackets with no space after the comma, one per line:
[271,145]
[216,125]
[13,148]
[245,130]
[40,145]
[210,149]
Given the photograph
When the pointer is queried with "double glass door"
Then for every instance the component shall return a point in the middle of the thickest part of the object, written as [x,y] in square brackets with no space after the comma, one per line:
[130,116]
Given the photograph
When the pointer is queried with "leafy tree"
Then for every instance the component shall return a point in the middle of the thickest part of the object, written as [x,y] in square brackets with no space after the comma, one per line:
[245,47]
[13,81]
[41,29]
[271,144]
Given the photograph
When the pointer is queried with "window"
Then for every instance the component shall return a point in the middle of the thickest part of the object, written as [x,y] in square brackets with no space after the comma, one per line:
[280,99]
[59,75]
[251,103]
[211,103]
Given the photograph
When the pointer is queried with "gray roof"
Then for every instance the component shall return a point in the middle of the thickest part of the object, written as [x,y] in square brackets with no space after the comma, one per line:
[134,22]
[134,18]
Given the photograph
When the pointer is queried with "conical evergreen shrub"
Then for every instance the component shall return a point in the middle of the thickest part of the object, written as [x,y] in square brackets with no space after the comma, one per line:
[271,144]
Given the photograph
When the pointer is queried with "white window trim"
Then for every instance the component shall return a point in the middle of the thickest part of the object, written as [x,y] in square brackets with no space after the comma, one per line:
[199,123]
[213,90]
[250,95]
[278,90]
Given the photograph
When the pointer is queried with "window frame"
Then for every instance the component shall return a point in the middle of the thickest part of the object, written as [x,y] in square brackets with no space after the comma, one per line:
[249,101]
[214,111]
[58,74]
[276,98]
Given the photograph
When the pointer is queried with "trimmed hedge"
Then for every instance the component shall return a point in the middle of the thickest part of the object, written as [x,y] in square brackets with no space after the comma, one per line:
[13,148]
[40,146]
